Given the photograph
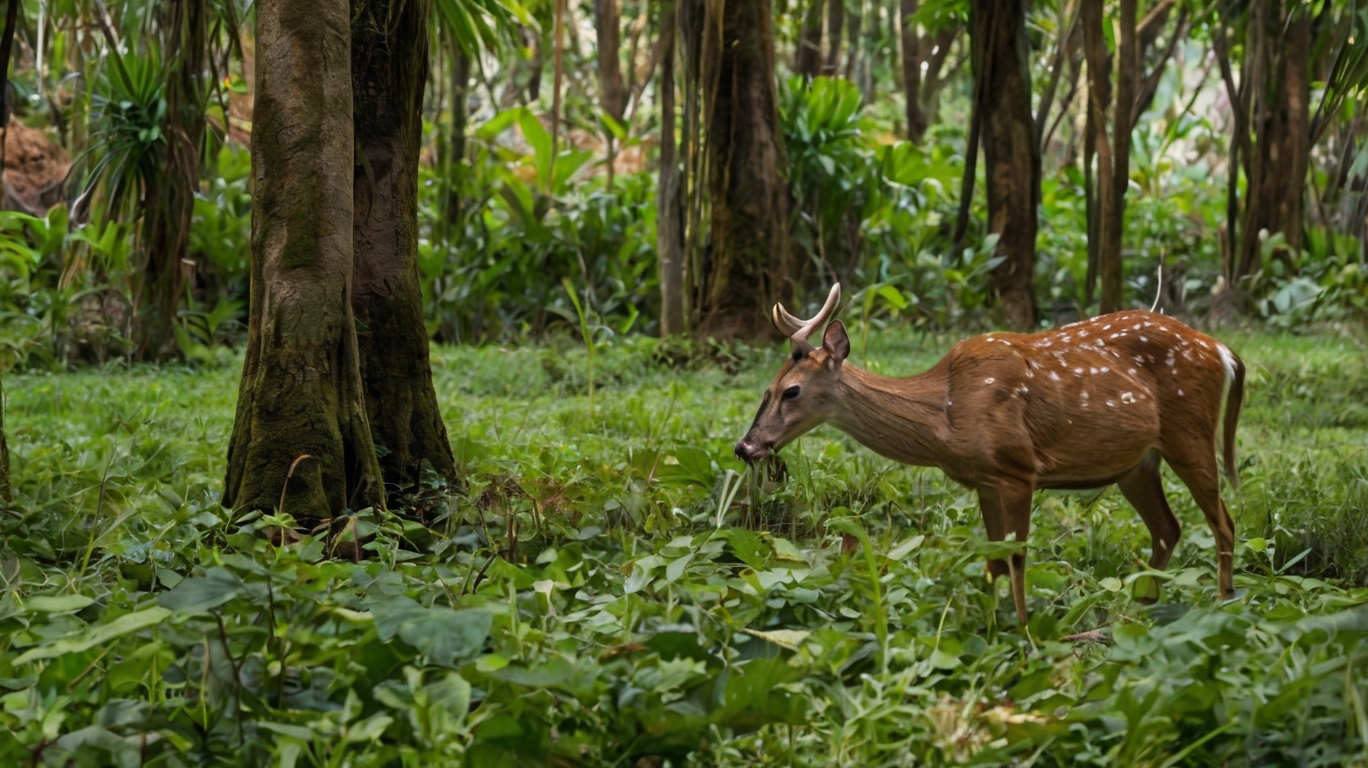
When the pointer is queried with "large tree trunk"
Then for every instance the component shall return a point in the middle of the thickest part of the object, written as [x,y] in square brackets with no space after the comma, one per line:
[751,265]
[670,198]
[301,391]
[807,58]
[911,70]
[170,198]
[1011,154]
[389,70]
[1276,68]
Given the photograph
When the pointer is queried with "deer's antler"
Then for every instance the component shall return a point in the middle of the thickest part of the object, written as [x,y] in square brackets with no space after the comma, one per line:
[800,330]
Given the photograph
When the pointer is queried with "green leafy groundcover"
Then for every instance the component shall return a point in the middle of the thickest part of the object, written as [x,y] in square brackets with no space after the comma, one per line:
[609,589]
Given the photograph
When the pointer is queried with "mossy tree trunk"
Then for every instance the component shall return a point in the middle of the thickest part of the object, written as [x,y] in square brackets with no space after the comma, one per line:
[389,71]
[301,392]
[750,266]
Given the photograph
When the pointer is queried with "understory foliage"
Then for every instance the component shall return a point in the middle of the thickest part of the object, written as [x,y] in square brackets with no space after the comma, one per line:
[609,587]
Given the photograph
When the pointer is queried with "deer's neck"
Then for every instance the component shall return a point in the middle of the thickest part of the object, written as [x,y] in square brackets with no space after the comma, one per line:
[903,419]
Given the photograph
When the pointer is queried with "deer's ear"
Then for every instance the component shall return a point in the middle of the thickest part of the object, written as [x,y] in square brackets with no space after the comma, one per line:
[836,342]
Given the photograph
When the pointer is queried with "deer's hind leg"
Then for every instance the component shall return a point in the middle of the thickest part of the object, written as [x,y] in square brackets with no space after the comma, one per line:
[1197,468]
[1144,489]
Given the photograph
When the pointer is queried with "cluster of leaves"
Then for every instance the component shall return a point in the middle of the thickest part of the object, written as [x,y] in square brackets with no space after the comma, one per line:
[609,587]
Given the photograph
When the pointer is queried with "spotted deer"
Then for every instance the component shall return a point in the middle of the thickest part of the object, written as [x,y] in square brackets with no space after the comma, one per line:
[1093,403]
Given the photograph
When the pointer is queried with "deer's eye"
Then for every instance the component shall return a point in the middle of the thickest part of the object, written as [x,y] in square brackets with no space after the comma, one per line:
[792,392]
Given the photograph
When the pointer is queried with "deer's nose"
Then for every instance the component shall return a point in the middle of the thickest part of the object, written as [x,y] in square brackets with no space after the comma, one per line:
[747,451]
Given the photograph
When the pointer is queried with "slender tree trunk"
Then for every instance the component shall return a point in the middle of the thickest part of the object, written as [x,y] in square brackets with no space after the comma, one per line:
[670,199]
[389,71]
[1277,70]
[1097,141]
[1010,151]
[170,198]
[460,87]
[912,71]
[301,393]
[1113,208]
[807,58]
[835,21]
[6,493]
[751,263]
[612,89]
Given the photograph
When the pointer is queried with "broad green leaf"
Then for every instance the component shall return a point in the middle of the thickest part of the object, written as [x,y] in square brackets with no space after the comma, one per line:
[97,635]
[57,603]
[201,594]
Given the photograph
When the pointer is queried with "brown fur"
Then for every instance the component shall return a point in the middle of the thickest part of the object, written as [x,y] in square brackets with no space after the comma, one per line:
[1093,403]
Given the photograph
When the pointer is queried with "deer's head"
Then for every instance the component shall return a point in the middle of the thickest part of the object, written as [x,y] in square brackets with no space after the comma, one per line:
[804,393]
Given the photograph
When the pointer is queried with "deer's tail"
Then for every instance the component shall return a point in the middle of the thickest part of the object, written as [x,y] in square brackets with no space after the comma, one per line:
[1234,400]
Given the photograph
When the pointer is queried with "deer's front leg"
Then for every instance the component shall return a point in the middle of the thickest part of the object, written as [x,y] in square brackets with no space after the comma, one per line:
[992,522]
[1006,508]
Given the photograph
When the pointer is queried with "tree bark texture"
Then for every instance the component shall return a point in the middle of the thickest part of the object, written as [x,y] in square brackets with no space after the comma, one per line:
[301,392]
[1010,151]
[612,89]
[170,194]
[807,58]
[389,71]
[1276,71]
[751,265]
[911,69]
[670,198]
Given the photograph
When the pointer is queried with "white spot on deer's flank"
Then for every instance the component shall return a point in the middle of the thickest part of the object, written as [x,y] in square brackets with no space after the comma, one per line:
[1078,371]
[1093,371]
[1105,369]
[1204,344]
[1136,328]
[1082,334]
[989,380]
[1107,327]
[1054,376]
[1144,340]
[1111,403]
[1131,371]
[1180,393]
[990,338]
[1127,397]
[1114,335]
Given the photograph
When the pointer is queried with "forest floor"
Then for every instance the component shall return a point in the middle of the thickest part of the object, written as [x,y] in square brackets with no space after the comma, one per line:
[609,586]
